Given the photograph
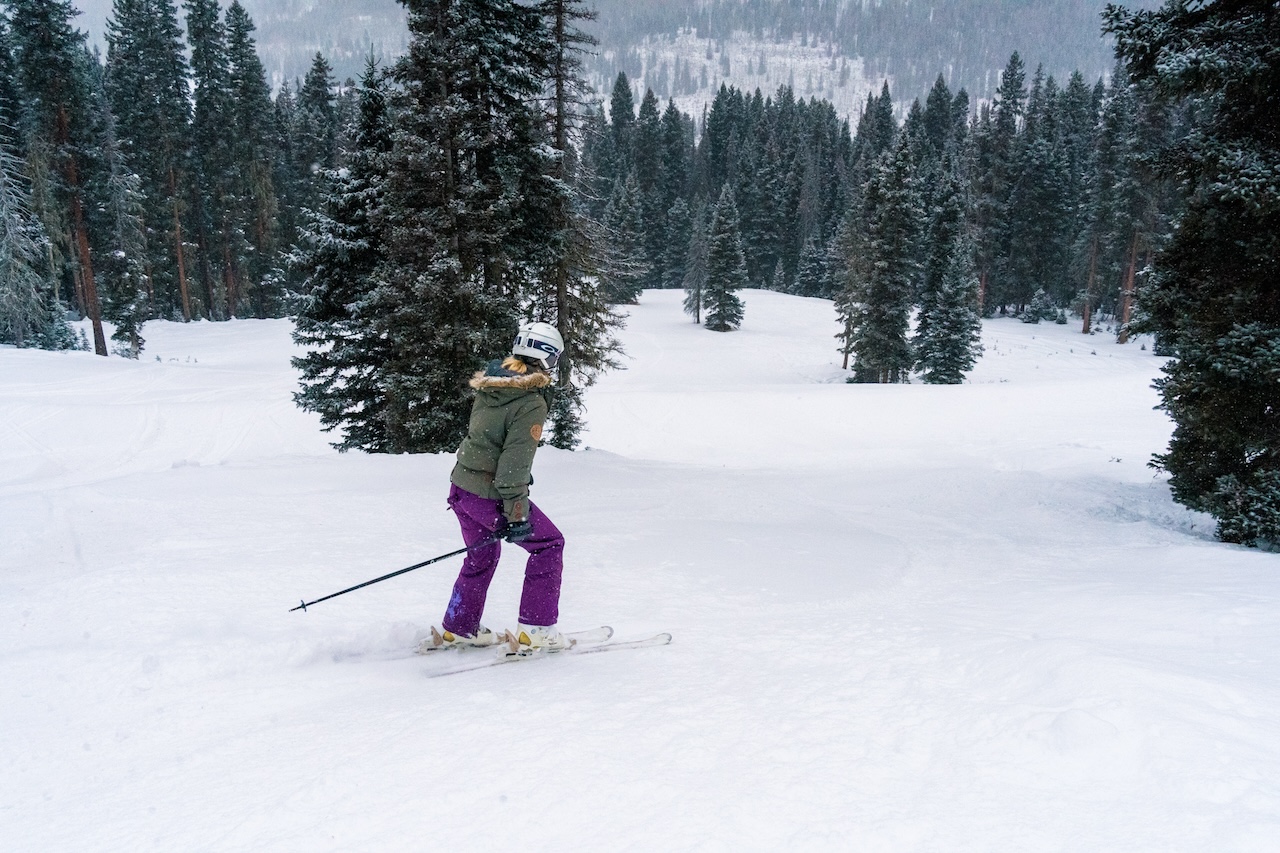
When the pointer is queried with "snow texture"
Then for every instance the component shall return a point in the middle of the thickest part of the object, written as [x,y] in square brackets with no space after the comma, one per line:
[906,617]
[813,69]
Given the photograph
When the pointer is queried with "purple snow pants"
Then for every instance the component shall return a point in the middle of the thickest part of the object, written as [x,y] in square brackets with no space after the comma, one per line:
[480,517]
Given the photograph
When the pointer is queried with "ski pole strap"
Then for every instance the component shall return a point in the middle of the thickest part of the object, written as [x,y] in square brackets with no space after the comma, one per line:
[489,541]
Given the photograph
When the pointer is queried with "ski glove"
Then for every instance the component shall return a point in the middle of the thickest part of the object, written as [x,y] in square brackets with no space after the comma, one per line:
[517,531]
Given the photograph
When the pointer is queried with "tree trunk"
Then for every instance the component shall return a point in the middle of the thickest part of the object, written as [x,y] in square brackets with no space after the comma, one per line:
[562,145]
[228,276]
[1126,300]
[1088,287]
[86,270]
[177,246]
[202,246]
[91,304]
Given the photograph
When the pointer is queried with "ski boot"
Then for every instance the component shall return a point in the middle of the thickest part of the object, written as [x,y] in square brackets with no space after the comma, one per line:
[439,641]
[539,638]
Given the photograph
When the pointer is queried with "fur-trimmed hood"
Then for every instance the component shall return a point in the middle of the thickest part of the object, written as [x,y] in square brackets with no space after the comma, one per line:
[511,374]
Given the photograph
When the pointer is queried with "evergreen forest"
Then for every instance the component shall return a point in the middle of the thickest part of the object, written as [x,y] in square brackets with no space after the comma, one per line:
[409,220]
[162,180]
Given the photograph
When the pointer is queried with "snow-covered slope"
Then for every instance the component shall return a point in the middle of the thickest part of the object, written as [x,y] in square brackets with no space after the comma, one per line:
[905,618]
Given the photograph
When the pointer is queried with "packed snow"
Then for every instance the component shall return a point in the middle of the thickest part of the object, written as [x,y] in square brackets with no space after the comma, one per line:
[905,617]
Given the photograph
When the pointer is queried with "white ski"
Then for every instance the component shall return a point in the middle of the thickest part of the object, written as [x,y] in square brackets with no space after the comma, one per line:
[507,656]
[434,644]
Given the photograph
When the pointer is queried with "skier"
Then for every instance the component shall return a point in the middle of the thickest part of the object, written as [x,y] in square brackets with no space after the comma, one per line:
[489,494]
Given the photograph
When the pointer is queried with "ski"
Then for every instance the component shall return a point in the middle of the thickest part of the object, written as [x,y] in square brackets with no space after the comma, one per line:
[580,638]
[578,649]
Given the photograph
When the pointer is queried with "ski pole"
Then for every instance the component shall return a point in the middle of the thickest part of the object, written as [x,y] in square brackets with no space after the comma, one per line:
[494,538]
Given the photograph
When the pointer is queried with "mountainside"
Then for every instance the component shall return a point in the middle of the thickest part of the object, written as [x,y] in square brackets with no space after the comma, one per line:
[835,49]
[811,43]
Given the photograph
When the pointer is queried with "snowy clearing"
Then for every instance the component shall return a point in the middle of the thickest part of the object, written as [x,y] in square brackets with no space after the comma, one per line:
[905,618]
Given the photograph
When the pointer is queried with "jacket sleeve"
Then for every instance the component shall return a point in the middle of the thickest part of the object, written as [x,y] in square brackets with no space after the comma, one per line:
[515,463]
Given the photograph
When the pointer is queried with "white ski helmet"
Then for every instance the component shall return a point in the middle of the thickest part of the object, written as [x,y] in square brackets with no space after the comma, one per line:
[539,343]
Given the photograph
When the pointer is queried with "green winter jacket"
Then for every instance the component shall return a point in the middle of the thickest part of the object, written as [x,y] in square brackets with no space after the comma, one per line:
[495,460]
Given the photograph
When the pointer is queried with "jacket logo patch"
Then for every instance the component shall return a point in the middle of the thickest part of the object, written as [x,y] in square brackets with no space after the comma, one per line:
[536,432]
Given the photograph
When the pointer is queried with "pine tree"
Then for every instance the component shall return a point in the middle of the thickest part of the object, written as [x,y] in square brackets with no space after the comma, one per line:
[147,86]
[1039,246]
[341,248]
[938,119]
[677,146]
[679,224]
[10,96]
[648,173]
[315,132]
[460,247]
[811,277]
[622,120]
[211,188]
[726,267]
[946,225]
[1040,308]
[881,350]
[51,60]
[120,225]
[695,267]
[998,174]
[575,297]
[947,342]
[628,262]
[30,314]
[1212,302]
[317,97]
[252,262]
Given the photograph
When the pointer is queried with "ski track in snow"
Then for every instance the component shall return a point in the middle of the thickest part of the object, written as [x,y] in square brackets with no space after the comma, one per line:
[905,618]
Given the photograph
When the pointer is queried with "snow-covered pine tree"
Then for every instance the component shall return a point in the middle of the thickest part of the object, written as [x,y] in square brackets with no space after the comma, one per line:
[811,276]
[341,247]
[30,314]
[10,97]
[854,271]
[938,120]
[1212,302]
[992,159]
[946,223]
[121,232]
[648,174]
[949,338]
[148,89]
[677,145]
[1114,199]
[211,190]
[461,245]
[254,262]
[1039,205]
[726,267]
[778,280]
[627,261]
[679,225]
[881,350]
[573,295]
[51,61]
[314,133]
[1041,307]
[622,120]
[695,268]
[292,182]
